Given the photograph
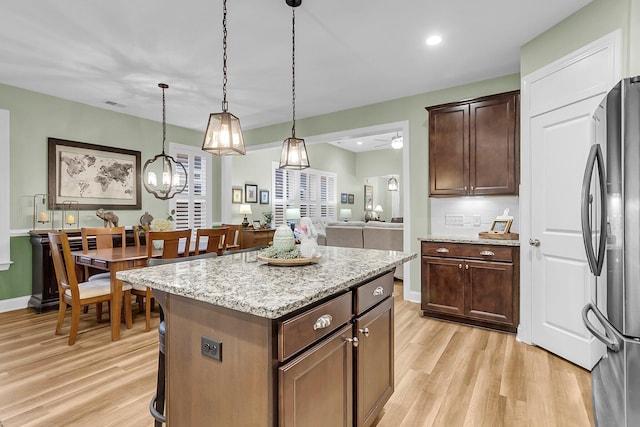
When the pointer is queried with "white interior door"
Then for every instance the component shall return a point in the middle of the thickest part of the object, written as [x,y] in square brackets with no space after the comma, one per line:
[560,102]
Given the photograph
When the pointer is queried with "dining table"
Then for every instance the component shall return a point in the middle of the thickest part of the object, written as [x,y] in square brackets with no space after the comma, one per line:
[114,260]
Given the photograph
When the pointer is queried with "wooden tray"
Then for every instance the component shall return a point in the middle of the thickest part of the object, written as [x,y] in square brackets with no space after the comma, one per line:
[289,262]
[497,236]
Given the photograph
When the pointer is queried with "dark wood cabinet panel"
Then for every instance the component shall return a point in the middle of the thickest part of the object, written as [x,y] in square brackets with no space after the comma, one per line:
[457,287]
[442,285]
[449,150]
[316,388]
[488,291]
[474,146]
[374,362]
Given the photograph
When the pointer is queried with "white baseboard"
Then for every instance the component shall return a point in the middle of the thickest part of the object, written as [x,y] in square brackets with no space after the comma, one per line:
[14,303]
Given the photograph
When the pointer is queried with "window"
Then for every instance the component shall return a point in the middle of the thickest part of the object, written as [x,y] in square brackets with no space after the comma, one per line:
[310,190]
[193,205]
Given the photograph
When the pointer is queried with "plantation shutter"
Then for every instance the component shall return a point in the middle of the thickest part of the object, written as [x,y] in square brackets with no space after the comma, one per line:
[312,191]
[191,205]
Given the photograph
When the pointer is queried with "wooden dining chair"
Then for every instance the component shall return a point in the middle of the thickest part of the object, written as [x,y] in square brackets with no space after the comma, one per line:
[171,244]
[231,239]
[104,240]
[215,239]
[74,294]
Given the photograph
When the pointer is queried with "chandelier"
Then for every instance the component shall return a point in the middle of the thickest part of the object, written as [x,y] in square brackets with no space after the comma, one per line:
[170,171]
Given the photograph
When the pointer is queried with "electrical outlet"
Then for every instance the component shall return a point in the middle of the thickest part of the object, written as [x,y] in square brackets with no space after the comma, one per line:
[211,347]
[477,220]
[454,219]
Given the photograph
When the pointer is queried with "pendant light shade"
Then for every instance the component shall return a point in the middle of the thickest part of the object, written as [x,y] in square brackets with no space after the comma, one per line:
[223,136]
[294,150]
[164,177]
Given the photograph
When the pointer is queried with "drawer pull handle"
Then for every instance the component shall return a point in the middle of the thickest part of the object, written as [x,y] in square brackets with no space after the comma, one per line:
[364,331]
[442,250]
[354,341]
[323,321]
[486,253]
[378,291]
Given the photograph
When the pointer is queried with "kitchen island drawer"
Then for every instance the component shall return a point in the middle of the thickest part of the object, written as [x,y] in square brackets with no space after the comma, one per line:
[304,329]
[370,294]
[469,251]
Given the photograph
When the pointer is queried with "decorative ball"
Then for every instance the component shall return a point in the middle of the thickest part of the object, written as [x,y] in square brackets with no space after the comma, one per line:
[283,238]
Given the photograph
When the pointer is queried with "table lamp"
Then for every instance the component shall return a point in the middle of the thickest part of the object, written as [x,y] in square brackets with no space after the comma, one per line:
[378,210]
[292,215]
[345,214]
[245,210]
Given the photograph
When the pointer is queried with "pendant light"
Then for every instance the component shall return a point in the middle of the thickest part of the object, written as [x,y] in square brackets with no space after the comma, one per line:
[223,136]
[166,167]
[294,150]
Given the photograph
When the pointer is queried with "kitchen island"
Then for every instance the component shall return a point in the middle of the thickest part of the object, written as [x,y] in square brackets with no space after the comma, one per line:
[304,345]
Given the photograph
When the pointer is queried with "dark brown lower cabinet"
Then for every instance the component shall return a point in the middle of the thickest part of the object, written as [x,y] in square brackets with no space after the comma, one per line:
[316,388]
[346,379]
[374,362]
[329,364]
[469,283]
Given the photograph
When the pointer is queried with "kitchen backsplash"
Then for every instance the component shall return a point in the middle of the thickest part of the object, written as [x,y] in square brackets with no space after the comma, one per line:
[467,216]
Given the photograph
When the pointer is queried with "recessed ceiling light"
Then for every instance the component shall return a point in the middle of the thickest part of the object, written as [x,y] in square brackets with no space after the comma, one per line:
[359,142]
[434,40]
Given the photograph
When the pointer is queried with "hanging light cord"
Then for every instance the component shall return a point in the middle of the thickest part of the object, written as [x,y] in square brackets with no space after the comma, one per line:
[293,70]
[224,56]
[164,117]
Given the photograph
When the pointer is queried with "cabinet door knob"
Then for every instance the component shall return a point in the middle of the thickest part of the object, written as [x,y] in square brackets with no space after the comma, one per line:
[322,322]
[459,265]
[378,291]
[354,341]
[364,331]
[442,250]
[487,253]
[466,266]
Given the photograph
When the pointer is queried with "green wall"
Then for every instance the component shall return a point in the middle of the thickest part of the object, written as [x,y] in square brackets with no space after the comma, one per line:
[34,118]
[593,21]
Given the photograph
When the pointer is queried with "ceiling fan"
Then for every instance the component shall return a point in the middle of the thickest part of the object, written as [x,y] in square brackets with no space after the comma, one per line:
[396,142]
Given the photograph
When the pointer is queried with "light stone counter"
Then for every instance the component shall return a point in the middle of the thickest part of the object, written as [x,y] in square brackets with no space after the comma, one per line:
[467,239]
[240,282]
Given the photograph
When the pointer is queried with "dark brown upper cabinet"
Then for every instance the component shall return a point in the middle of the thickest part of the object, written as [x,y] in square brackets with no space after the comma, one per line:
[474,146]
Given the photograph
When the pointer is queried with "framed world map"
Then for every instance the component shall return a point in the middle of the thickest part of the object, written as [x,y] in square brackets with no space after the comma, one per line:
[95,176]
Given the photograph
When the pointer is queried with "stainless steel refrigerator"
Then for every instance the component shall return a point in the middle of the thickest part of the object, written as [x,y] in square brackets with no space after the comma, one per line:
[611,232]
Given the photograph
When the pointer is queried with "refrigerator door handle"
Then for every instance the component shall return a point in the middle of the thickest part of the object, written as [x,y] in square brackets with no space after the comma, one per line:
[609,337]
[595,261]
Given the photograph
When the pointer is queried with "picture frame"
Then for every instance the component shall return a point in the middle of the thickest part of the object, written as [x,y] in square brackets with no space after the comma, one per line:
[264,197]
[352,199]
[236,195]
[256,224]
[368,197]
[250,193]
[94,176]
[500,226]
[344,198]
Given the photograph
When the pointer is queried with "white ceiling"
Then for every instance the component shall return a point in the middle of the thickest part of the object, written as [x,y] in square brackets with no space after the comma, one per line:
[348,52]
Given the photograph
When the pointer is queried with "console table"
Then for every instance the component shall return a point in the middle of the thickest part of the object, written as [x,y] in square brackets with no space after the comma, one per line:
[251,238]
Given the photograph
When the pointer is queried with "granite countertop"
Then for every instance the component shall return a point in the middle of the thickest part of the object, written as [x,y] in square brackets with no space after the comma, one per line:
[240,282]
[468,239]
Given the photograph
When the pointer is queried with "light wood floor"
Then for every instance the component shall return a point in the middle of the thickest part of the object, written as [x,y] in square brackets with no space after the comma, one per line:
[446,375]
